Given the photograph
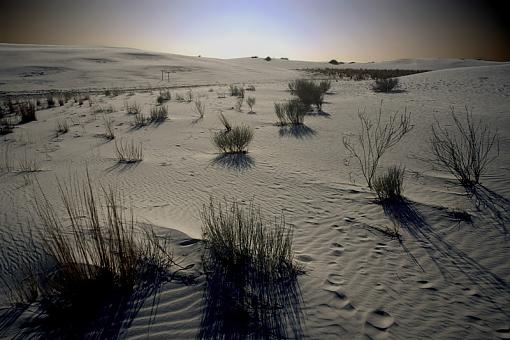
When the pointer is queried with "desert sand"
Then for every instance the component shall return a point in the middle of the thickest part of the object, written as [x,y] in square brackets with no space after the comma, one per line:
[446,278]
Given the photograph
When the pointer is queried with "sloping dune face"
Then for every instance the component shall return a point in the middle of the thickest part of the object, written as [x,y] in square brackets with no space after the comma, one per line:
[446,277]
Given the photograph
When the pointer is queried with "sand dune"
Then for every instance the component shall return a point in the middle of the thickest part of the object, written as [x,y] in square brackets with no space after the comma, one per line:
[447,278]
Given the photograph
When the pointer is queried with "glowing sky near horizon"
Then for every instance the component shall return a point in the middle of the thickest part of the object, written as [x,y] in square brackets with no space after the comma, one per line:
[361,30]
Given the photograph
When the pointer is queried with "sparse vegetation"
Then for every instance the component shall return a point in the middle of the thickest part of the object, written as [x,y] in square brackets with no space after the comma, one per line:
[6,126]
[164,96]
[26,111]
[28,164]
[159,114]
[62,126]
[239,104]
[199,108]
[466,150]
[140,120]
[386,85]
[236,91]
[389,185]
[250,101]
[128,152]
[240,239]
[132,108]
[290,112]
[235,140]
[334,62]
[250,88]
[361,74]
[108,127]
[309,93]
[268,58]
[374,139]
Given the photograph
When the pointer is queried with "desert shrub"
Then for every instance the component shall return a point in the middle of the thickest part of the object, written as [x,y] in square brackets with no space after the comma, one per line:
[239,104]
[241,239]
[325,86]
[199,108]
[374,139]
[254,57]
[236,91]
[6,126]
[179,97]
[334,62]
[104,109]
[465,150]
[140,120]
[128,152]
[62,126]
[235,140]
[158,114]
[108,127]
[189,96]
[250,101]
[268,58]
[361,74]
[290,112]
[29,163]
[50,101]
[388,186]
[132,109]
[61,101]
[308,92]
[164,96]
[26,110]
[107,93]
[250,88]
[386,85]
[226,124]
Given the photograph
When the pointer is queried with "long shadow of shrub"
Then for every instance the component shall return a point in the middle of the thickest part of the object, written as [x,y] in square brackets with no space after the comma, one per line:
[235,161]
[296,131]
[497,205]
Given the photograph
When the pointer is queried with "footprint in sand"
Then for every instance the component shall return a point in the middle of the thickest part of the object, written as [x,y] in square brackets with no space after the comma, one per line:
[380,319]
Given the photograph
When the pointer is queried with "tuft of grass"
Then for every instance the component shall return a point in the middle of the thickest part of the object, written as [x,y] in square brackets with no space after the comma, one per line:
[233,141]
[26,111]
[50,101]
[128,152]
[240,239]
[389,185]
[132,109]
[199,109]
[28,164]
[250,101]
[291,112]
[189,96]
[164,96]
[108,127]
[239,104]
[140,120]
[236,91]
[386,85]
[62,127]
[158,114]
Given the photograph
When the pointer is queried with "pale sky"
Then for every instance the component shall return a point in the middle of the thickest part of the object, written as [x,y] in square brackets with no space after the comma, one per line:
[358,30]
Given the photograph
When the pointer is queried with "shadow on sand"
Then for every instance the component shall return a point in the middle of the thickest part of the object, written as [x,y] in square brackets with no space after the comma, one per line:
[235,161]
[450,260]
[240,304]
[497,205]
[297,131]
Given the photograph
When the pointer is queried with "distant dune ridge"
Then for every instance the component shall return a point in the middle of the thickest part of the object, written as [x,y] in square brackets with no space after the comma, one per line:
[432,264]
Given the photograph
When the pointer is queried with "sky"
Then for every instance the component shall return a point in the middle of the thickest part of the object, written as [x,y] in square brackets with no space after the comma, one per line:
[319,30]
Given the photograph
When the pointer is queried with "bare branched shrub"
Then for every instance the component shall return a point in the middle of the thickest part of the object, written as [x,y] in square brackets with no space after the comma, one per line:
[226,124]
[159,114]
[386,85]
[250,101]
[108,128]
[132,109]
[466,150]
[290,112]
[235,140]
[199,108]
[389,185]
[128,152]
[240,239]
[374,139]
[62,127]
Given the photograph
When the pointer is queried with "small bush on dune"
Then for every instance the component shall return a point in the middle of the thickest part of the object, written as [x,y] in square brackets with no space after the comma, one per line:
[6,126]
[309,93]
[159,114]
[240,239]
[325,86]
[235,140]
[128,152]
[199,108]
[466,150]
[388,186]
[108,127]
[236,91]
[334,62]
[26,111]
[164,96]
[250,101]
[291,112]
[239,104]
[386,85]
[132,109]
[267,58]
[250,88]
[61,101]
[50,101]
[62,127]
[140,120]
[189,96]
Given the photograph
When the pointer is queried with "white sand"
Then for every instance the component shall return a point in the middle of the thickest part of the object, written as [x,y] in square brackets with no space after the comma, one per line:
[447,279]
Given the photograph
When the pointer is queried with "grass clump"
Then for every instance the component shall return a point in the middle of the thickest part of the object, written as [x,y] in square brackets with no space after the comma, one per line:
[159,114]
[164,96]
[389,185]
[236,91]
[109,133]
[239,238]
[140,120]
[239,104]
[132,109]
[128,152]
[386,85]
[199,109]
[62,127]
[26,112]
[465,150]
[291,112]
[50,101]
[233,141]
[250,101]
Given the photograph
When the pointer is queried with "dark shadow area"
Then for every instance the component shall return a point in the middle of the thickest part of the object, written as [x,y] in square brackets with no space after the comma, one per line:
[240,304]
[319,114]
[297,131]
[235,161]
[497,205]
[450,260]
[122,166]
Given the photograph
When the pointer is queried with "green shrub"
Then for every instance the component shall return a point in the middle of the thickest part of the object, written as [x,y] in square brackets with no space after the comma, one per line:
[234,141]
[290,112]
[386,85]
[388,186]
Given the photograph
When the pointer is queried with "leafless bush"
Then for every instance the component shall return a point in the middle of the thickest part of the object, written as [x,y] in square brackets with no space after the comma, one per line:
[164,96]
[374,139]
[466,150]
[128,152]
